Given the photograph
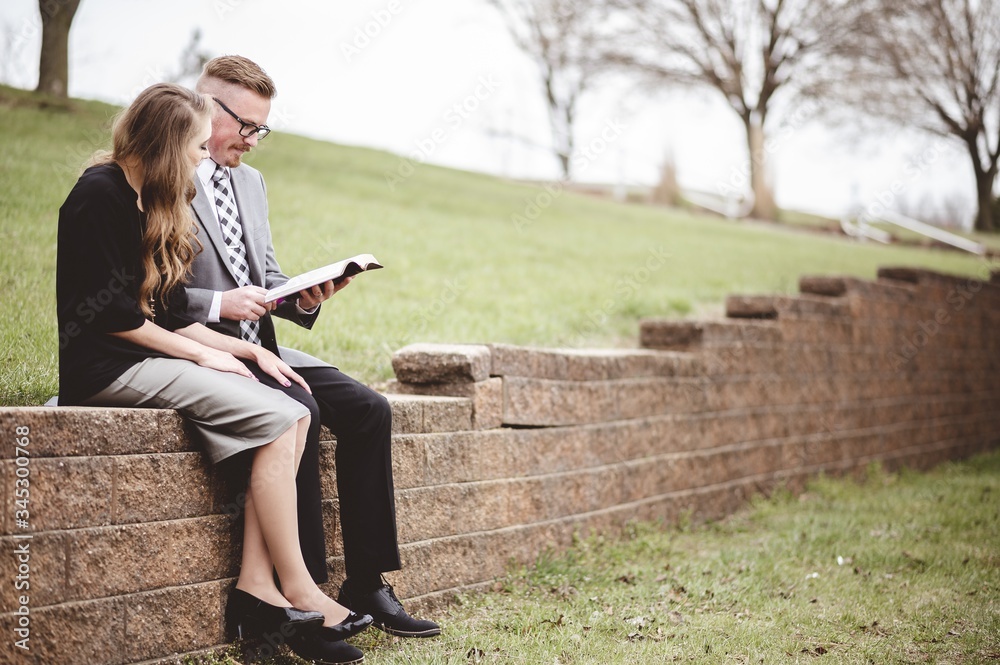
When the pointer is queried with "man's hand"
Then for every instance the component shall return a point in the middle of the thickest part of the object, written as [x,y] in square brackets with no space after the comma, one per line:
[244,304]
[312,297]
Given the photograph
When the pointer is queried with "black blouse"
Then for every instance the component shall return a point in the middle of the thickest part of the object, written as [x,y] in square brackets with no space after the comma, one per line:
[98,274]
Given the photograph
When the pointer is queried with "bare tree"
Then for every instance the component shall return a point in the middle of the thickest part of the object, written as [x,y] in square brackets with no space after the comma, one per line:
[757,54]
[53,63]
[667,191]
[192,60]
[934,65]
[560,37]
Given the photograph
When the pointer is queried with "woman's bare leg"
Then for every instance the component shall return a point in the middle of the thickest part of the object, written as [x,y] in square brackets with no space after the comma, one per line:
[256,568]
[271,535]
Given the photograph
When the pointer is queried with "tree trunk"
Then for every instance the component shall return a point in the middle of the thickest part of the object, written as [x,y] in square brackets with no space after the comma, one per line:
[984,187]
[53,64]
[984,198]
[564,164]
[760,181]
[561,122]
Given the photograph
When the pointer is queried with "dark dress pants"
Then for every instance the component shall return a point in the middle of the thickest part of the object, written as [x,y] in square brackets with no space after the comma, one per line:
[361,419]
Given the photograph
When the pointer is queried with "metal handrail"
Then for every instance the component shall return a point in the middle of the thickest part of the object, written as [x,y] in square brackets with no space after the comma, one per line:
[934,232]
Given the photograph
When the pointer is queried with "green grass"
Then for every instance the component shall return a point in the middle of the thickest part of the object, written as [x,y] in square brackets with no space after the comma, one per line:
[806,219]
[581,271]
[894,568]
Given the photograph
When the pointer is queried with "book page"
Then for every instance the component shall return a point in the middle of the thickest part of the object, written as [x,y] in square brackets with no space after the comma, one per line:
[334,271]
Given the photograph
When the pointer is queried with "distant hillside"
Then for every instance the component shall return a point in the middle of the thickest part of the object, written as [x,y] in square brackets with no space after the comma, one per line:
[469,258]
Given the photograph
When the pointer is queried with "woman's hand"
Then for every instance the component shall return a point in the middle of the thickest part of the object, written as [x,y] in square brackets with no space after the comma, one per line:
[194,343]
[223,362]
[220,352]
[277,368]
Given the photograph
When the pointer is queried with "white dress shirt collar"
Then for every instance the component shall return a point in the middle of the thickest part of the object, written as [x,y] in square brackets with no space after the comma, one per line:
[205,171]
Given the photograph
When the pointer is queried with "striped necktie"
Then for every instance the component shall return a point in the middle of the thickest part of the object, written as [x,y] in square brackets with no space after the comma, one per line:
[232,234]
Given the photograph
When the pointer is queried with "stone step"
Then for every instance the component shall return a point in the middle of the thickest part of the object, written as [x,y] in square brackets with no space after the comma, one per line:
[671,334]
[836,286]
[71,431]
[413,414]
[450,365]
[589,364]
[442,363]
[486,397]
[773,307]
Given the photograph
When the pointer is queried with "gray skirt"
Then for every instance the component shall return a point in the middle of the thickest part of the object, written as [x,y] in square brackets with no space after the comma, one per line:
[231,412]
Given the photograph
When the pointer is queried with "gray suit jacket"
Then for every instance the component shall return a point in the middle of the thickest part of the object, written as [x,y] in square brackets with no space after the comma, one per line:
[212,271]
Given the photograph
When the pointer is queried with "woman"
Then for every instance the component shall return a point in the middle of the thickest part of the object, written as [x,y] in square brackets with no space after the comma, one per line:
[126,241]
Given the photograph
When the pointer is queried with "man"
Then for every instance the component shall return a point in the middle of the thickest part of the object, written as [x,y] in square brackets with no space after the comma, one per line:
[226,292]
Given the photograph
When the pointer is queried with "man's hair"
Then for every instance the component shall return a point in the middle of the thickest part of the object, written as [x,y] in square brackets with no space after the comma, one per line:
[237,70]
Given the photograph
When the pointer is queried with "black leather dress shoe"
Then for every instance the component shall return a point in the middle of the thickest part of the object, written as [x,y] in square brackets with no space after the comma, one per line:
[386,611]
[325,652]
[349,627]
[249,616]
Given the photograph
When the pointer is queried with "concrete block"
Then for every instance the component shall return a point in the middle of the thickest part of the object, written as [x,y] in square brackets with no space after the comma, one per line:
[442,363]
[589,364]
[115,560]
[642,398]
[64,492]
[772,307]
[46,575]
[69,431]
[486,397]
[751,307]
[740,359]
[447,414]
[89,632]
[462,457]
[151,488]
[890,293]
[669,334]
[445,510]
[409,461]
[917,275]
[826,285]
[175,620]
[528,362]
[328,467]
[417,414]
[541,402]
[407,414]
[331,528]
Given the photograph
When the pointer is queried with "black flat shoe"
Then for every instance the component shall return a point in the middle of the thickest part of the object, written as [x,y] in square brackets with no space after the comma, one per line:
[349,627]
[387,612]
[249,616]
[325,652]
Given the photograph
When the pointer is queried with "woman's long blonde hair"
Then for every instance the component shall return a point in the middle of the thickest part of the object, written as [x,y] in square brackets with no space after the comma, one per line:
[155,131]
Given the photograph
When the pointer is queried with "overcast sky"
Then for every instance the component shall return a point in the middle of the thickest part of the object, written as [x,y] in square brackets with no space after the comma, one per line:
[389,74]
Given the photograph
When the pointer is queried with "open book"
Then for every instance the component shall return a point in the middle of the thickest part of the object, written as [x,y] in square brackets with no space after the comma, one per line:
[335,271]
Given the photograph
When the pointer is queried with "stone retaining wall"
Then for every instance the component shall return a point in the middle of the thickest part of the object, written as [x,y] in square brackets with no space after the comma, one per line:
[502,451]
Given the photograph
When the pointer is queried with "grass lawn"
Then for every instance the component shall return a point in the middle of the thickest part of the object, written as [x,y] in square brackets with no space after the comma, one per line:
[896,568]
[469,258]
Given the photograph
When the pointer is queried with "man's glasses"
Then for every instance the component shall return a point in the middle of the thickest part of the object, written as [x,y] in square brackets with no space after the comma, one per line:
[247,129]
